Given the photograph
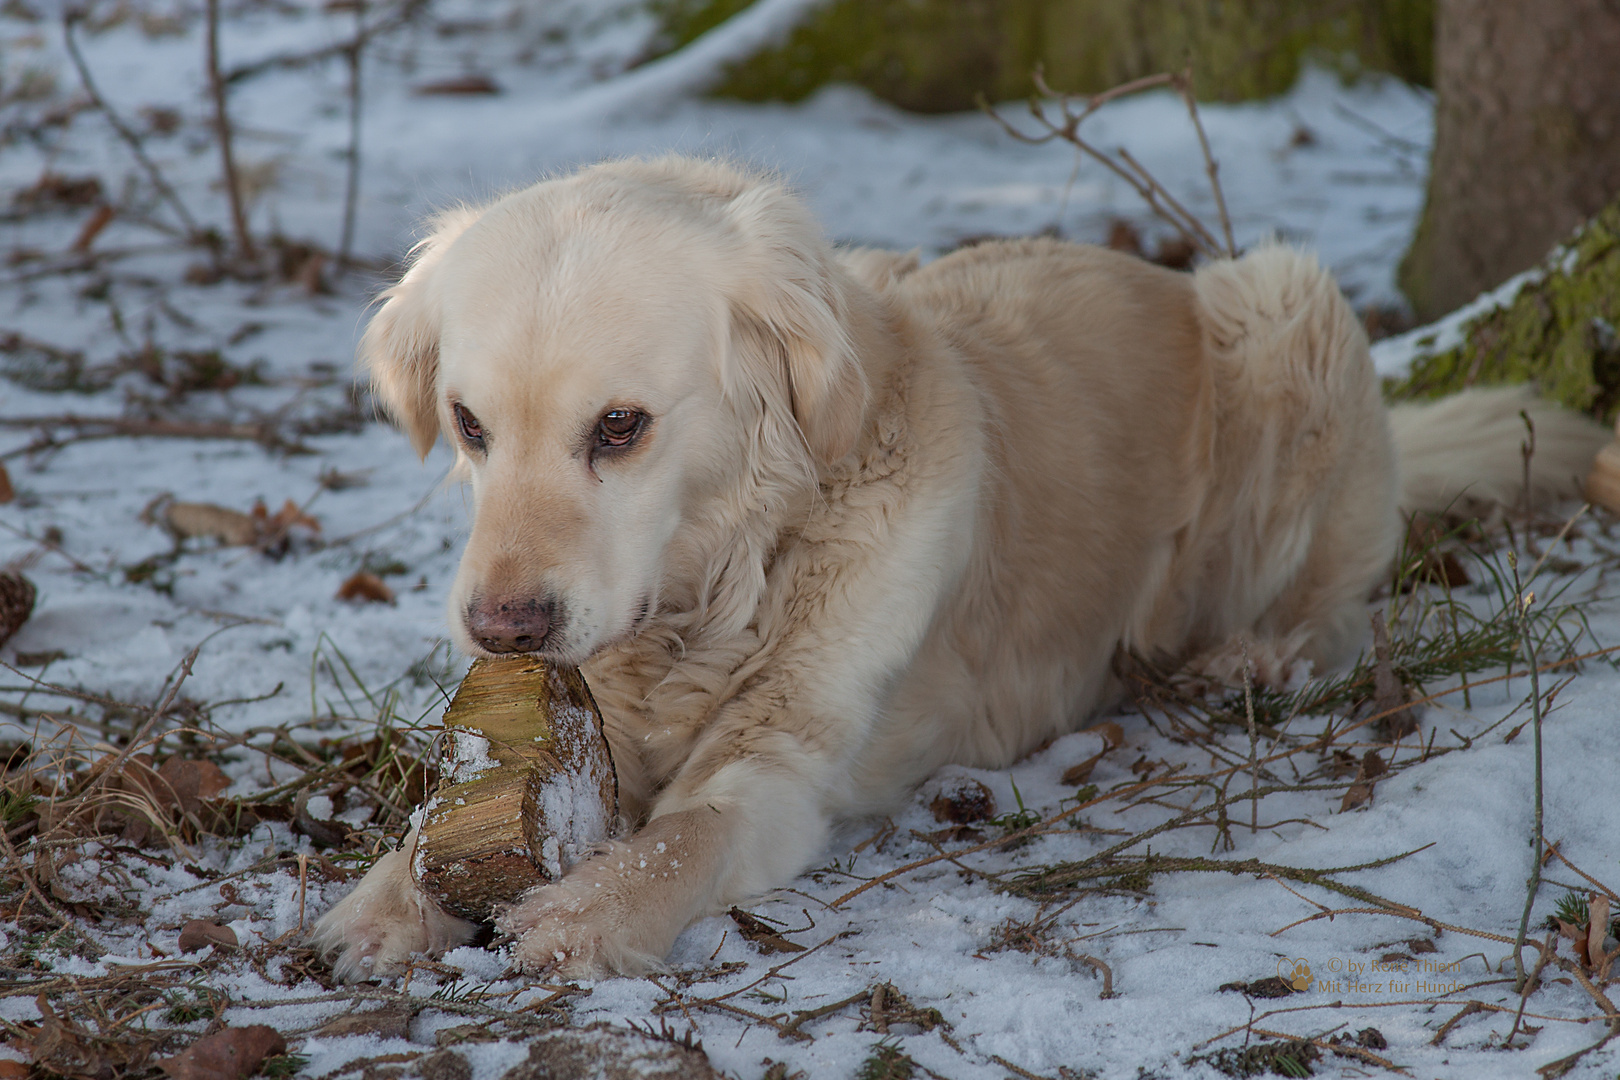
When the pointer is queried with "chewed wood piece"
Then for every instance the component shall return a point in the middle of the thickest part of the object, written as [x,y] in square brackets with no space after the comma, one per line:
[1603,484]
[527,786]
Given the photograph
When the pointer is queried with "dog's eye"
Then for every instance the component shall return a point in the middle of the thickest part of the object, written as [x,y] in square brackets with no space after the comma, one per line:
[471,429]
[619,427]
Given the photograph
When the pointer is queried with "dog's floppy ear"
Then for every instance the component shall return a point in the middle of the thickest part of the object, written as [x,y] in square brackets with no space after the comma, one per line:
[400,348]
[793,290]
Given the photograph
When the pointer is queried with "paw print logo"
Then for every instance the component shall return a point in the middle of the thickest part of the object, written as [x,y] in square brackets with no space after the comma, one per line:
[1296,973]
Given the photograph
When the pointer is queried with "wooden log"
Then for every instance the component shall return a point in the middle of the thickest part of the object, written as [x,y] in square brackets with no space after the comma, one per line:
[527,786]
[1603,483]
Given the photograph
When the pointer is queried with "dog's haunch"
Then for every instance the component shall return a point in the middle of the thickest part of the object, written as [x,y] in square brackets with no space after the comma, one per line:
[527,787]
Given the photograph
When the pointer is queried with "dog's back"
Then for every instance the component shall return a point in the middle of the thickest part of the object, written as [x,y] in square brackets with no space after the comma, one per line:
[1096,416]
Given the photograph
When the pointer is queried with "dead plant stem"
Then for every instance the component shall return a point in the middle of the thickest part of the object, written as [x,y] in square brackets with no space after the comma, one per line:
[1524,600]
[1529,987]
[351,185]
[222,131]
[1185,86]
[127,134]
[1254,739]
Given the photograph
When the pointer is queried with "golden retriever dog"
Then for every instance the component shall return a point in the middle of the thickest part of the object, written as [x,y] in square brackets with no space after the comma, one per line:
[815,524]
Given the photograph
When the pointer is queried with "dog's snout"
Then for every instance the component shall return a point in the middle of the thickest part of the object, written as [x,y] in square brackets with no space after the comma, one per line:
[511,626]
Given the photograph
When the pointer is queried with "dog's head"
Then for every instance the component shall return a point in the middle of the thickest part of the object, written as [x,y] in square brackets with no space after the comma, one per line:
[620,358]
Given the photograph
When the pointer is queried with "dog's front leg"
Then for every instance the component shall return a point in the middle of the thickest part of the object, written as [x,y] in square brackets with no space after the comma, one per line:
[722,832]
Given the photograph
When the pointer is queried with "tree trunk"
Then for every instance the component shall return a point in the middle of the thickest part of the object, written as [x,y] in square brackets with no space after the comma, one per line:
[1557,331]
[1527,141]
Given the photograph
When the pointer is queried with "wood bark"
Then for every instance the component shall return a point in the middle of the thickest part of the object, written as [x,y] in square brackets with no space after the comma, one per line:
[1527,141]
[528,785]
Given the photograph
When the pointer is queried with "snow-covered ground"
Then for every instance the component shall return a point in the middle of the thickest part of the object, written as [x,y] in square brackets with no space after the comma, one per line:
[1340,168]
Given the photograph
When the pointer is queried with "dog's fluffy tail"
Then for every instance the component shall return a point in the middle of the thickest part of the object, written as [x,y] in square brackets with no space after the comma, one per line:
[1464,455]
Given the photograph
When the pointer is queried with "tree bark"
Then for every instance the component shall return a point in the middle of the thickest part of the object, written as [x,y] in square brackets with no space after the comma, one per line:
[1527,141]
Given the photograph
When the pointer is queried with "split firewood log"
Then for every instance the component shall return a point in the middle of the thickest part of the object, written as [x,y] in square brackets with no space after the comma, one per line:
[527,786]
[1603,483]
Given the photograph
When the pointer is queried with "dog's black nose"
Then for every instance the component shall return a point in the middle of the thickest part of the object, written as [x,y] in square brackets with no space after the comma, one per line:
[511,626]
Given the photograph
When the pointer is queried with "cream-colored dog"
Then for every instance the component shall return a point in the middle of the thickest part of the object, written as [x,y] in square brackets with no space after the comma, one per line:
[816,524]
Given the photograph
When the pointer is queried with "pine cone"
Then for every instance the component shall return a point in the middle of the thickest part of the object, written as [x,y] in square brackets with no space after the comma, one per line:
[16,603]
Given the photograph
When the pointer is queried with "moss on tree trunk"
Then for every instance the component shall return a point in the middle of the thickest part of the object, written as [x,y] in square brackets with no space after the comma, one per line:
[1558,331]
[937,55]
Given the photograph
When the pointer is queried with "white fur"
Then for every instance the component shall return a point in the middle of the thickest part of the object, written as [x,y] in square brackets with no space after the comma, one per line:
[884,517]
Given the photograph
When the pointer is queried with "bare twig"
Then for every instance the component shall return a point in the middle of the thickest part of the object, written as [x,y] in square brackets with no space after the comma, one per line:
[1101,968]
[1568,1062]
[1346,1048]
[1529,986]
[1184,87]
[111,427]
[1254,737]
[1552,849]
[292,61]
[127,134]
[790,1030]
[351,185]
[222,131]
[1016,1070]
[1073,110]
[1524,600]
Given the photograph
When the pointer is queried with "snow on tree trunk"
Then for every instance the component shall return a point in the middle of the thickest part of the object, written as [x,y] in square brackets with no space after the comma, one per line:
[1557,328]
[1527,140]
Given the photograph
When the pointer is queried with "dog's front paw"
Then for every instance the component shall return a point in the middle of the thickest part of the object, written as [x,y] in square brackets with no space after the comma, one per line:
[1270,664]
[375,930]
[593,923]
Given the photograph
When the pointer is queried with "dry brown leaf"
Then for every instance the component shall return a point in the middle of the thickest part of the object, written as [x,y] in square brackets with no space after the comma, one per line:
[179,787]
[324,833]
[1113,737]
[61,1047]
[1597,928]
[464,86]
[1123,236]
[7,492]
[1424,534]
[1389,693]
[198,934]
[187,783]
[99,220]
[54,189]
[17,595]
[1372,767]
[231,1054]
[1577,941]
[963,801]
[955,834]
[274,526]
[366,587]
[13,1070]
[762,933]
[230,527]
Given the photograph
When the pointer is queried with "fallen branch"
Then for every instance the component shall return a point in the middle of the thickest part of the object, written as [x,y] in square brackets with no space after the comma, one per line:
[111,427]
[1347,1049]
